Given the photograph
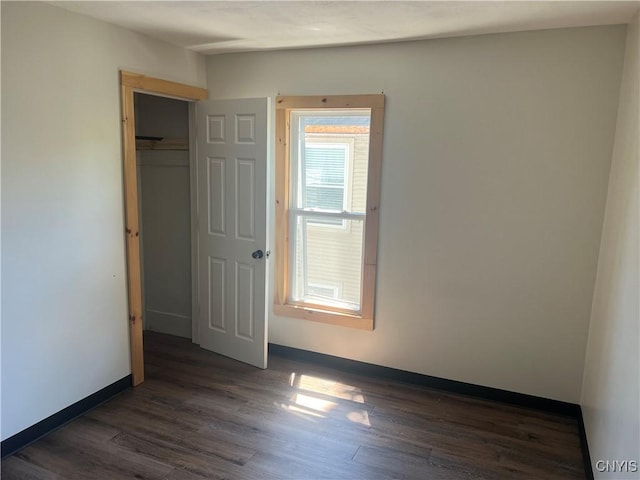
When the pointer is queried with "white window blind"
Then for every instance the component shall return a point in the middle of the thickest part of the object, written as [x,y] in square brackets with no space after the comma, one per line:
[324,180]
[325,170]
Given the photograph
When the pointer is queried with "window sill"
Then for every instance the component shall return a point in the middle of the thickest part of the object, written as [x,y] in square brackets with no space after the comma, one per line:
[324,316]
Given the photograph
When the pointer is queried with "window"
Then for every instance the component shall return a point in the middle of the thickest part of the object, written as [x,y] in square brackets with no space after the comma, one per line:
[327,187]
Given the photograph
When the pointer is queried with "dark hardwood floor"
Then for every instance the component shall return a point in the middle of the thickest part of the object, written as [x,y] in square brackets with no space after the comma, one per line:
[199,415]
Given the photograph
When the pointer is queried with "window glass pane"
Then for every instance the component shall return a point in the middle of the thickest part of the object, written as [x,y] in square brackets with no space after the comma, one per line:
[327,260]
[330,149]
[329,161]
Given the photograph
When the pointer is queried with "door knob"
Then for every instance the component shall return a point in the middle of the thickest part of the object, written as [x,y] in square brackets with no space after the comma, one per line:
[257,254]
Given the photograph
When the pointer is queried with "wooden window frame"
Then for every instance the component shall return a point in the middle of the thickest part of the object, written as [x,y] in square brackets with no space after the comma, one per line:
[284,106]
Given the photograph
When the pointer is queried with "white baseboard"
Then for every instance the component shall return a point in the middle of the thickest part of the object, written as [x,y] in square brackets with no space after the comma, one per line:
[169,323]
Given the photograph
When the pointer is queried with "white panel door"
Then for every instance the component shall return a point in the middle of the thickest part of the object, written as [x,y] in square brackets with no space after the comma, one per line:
[232,228]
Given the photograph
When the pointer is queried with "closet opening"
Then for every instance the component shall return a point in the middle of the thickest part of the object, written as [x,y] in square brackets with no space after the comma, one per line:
[164,176]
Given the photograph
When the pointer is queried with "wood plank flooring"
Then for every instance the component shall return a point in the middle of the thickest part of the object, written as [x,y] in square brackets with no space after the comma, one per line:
[199,415]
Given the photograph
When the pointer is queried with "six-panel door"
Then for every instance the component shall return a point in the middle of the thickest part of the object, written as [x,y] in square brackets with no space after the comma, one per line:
[232,213]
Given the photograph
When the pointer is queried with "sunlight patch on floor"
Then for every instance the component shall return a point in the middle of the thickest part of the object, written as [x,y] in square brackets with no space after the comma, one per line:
[324,398]
[326,387]
[314,403]
[359,416]
[304,411]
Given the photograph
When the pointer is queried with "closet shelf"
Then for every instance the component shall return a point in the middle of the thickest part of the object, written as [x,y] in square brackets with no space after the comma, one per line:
[160,143]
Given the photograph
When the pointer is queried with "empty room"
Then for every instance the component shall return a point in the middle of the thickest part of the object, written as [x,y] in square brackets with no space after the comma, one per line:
[320,240]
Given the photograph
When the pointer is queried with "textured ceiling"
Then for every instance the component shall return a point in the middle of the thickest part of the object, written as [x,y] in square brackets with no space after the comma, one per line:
[212,27]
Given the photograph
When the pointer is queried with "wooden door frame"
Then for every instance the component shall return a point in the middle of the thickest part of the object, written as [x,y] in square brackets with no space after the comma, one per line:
[130,83]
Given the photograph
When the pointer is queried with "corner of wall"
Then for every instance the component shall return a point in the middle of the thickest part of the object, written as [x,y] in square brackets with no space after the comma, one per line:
[610,394]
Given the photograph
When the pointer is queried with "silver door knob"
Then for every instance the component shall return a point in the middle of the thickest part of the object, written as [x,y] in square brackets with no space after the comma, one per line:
[257,254]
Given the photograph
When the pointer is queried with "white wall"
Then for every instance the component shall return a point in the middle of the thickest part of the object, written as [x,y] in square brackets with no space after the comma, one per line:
[64,312]
[496,158]
[611,388]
